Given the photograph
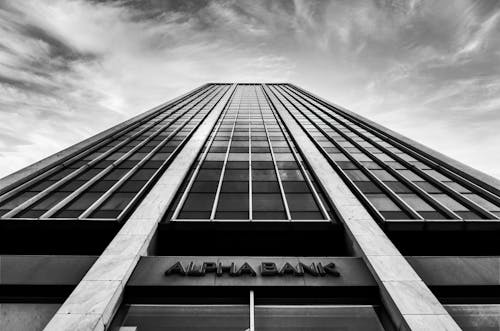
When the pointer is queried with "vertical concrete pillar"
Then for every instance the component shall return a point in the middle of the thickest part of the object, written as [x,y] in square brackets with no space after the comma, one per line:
[410,303]
[96,298]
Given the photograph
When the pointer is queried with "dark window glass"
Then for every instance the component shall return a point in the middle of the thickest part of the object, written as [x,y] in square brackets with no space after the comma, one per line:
[295,187]
[267,202]
[286,165]
[306,215]
[237,165]
[346,165]
[67,214]
[61,174]
[71,186]
[198,202]
[301,202]
[269,215]
[208,175]
[41,186]
[416,202]
[236,175]
[212,165]
[234,187]
[262,165]
[232,215]
[382,202]
[395,215]
[263,175]
[132,186]
[432,215]
[115,174]
[368,187]
[102,186]
[265,187]
[290,175]
[383,175]
[202,215]
[317,318]
[233,202]
[207,187]
[457,187]
[398,187]
[468,215]
[143,174]
[428,187]
[117,201]
[83,201]
[356,175]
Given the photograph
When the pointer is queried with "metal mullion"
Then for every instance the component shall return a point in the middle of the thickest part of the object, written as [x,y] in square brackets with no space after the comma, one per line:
[105,171]
[435,165]
[252,311]
[420,192]
[250,191]
[367,172]
[108,193]
[357,192]
[202,159]
[468,203]
[74,158]
[72,175]
[276,170]
[93,180]
[304,172]
[223,170]
[168,125]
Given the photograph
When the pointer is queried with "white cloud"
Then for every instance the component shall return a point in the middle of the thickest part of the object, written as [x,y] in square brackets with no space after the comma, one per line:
[426,69]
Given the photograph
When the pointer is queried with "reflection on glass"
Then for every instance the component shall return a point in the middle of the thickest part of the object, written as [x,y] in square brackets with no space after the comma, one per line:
[476,317]
[188,317]
[315,318]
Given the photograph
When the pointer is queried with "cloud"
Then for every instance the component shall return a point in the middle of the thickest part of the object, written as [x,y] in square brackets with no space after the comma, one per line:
[428,69]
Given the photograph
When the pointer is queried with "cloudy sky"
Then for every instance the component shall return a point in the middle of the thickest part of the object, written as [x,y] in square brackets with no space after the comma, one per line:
[427,69]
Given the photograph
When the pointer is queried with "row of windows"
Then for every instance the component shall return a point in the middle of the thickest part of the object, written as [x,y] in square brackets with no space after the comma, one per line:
[396,184]
[103,182]
[249,169]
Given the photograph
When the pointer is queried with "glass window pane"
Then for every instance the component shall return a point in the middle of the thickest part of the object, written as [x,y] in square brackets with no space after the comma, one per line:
[301,202]
[382,202]
[233,202]
[311,318]
[267,202]
[475,317]
[188,317]
[199,202]
[263,175]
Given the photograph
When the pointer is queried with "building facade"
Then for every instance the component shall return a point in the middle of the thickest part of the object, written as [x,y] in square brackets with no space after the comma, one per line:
[249,207]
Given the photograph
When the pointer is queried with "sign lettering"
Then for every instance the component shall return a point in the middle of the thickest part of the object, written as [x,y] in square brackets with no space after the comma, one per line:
[266,269]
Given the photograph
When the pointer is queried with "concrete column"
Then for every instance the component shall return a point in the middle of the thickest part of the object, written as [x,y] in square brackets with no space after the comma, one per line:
[410,303]
[96,298]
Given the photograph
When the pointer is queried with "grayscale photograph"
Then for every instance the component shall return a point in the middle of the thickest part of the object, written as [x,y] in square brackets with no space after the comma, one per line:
[267,165]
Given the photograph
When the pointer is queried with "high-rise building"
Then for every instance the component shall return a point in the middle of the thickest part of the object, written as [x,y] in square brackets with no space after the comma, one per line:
[249,207]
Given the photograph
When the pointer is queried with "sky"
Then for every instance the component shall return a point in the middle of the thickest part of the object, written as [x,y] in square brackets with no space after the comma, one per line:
[429,70]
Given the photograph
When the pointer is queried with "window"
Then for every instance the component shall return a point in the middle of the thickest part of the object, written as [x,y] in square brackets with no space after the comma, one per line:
[187,317]
[263,175]
[318,317]
[301,202]
[236,317]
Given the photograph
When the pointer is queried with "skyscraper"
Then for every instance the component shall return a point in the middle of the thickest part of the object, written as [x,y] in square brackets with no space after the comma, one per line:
[249,207]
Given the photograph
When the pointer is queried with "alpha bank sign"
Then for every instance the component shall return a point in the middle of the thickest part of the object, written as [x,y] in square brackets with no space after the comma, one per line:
[265,269]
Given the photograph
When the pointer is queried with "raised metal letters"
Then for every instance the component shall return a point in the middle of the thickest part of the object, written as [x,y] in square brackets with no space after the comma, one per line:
[266,269]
